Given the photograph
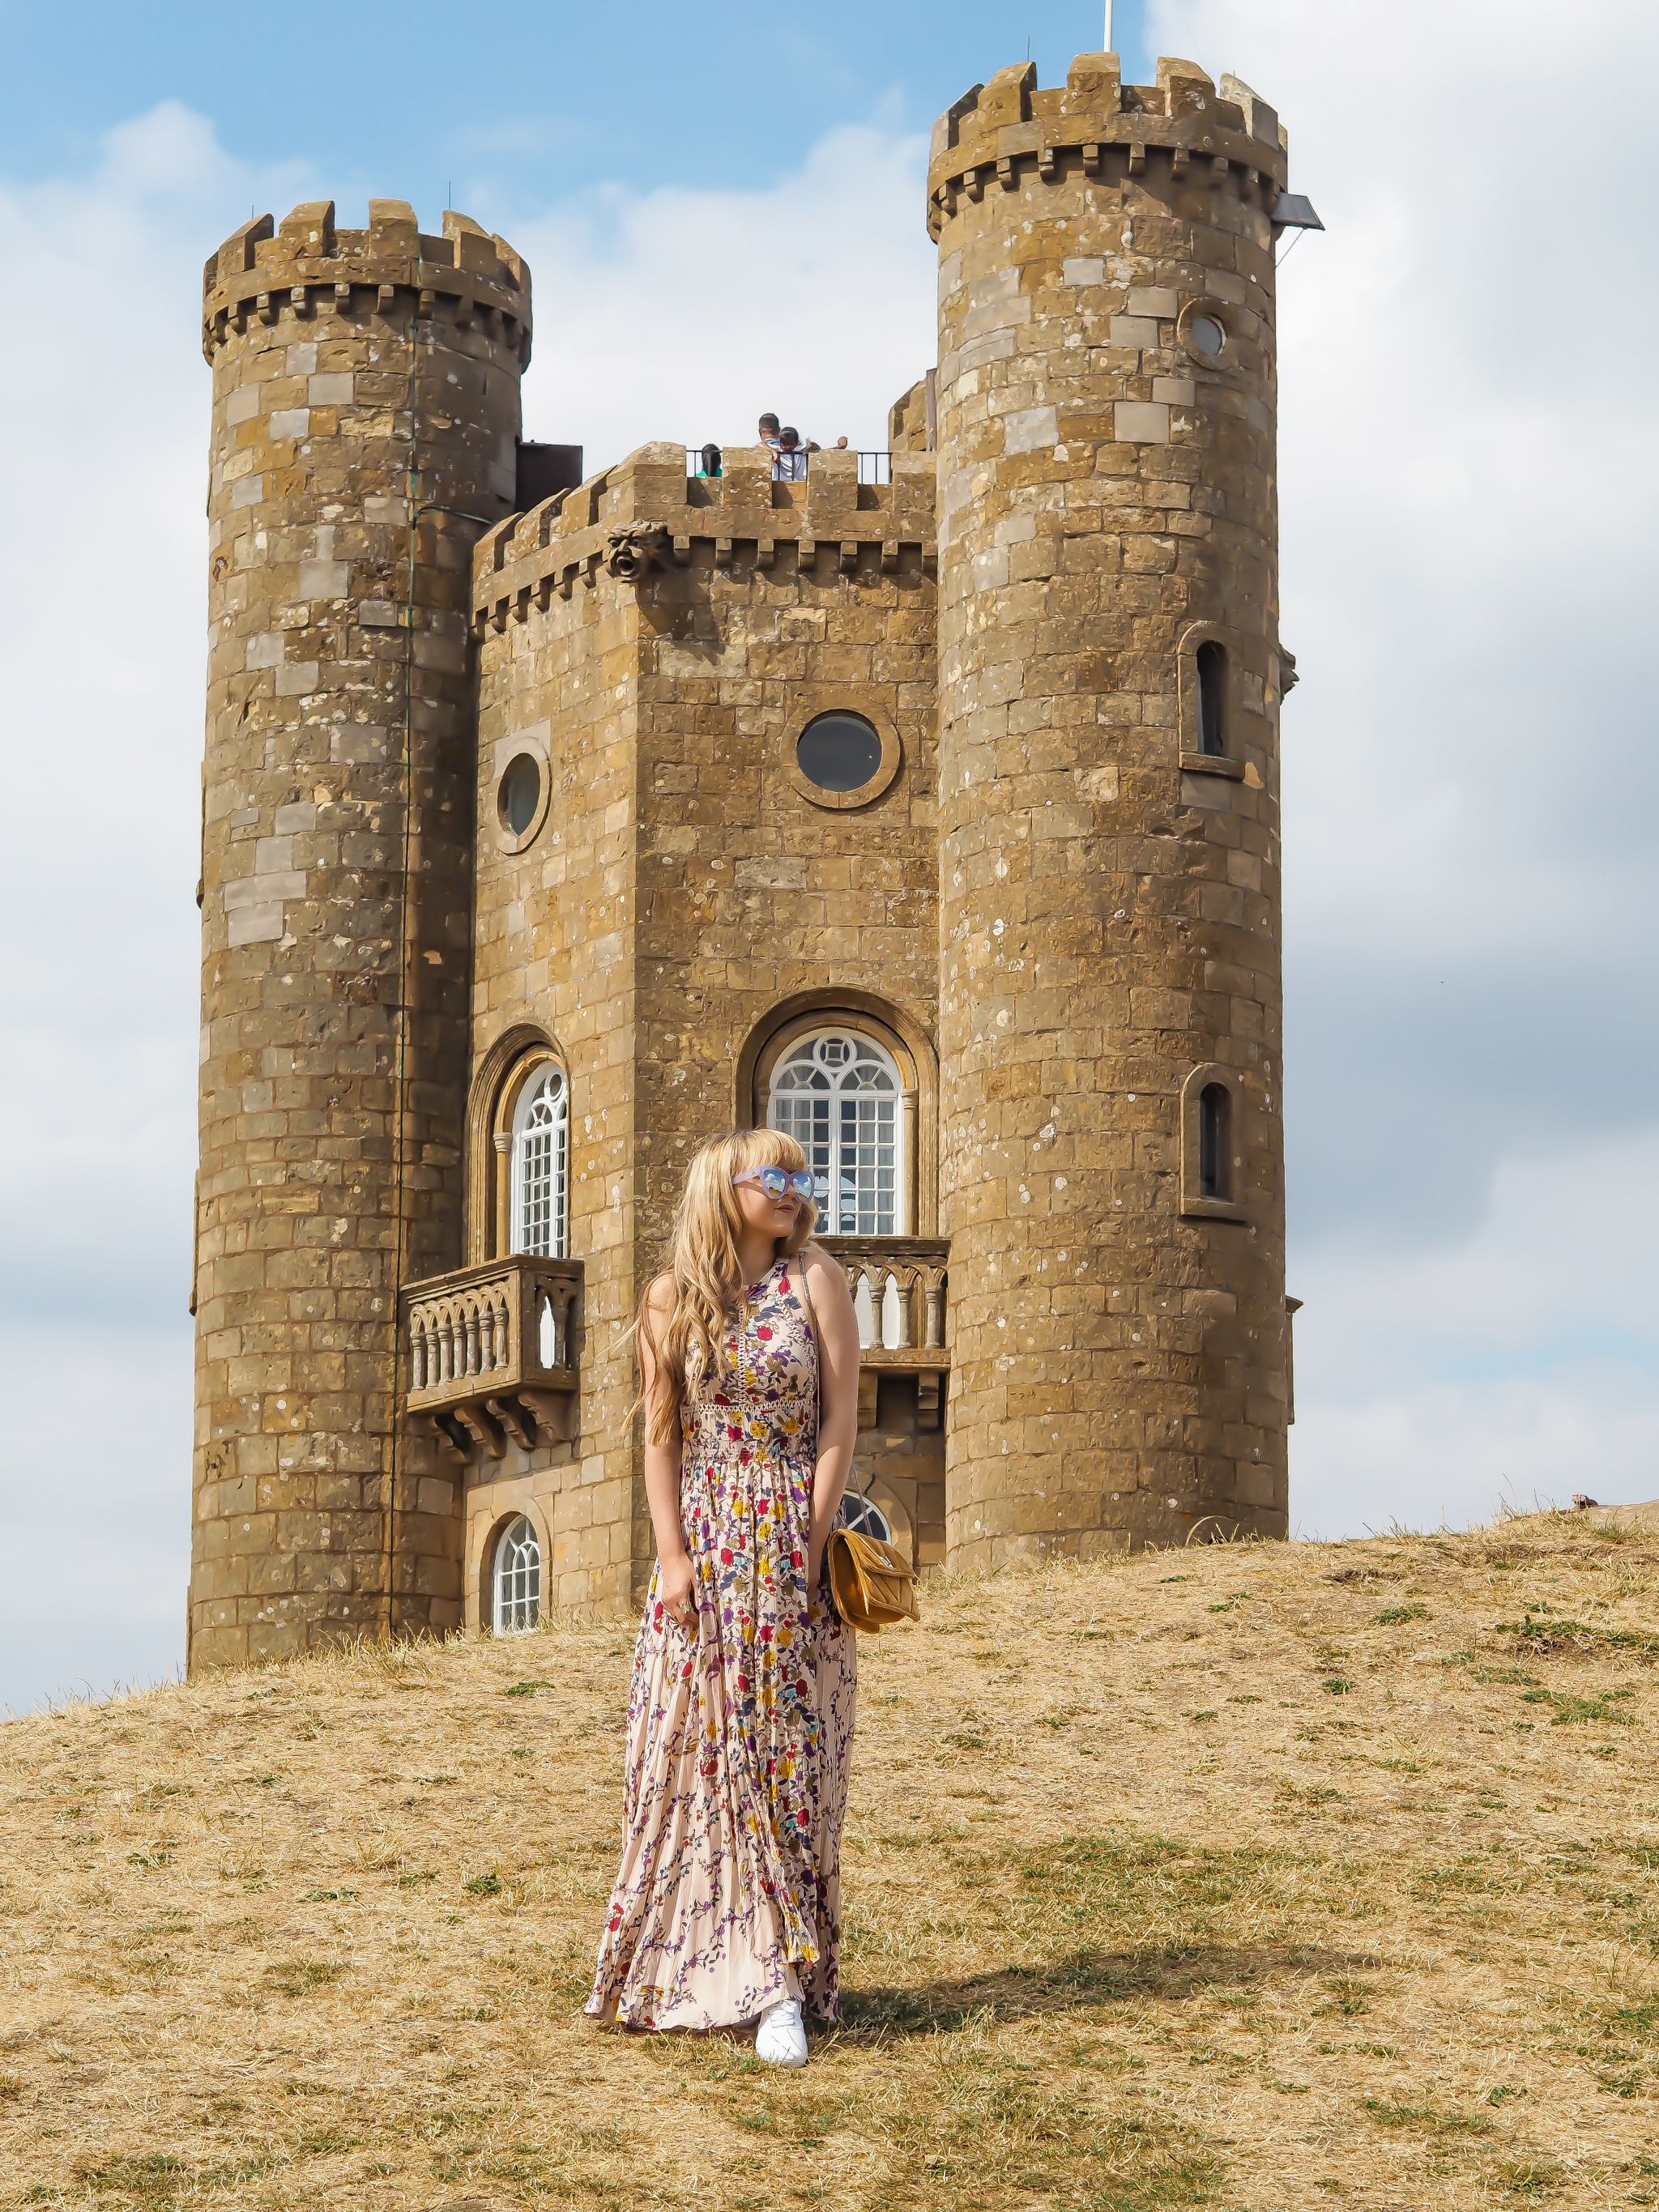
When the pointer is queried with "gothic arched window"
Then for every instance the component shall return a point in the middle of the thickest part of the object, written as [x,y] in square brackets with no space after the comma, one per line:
[516,1578]
[838,1093]
[540,1181]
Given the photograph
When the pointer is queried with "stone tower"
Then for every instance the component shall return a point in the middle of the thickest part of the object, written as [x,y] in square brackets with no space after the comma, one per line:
[1109,686]
[365,414]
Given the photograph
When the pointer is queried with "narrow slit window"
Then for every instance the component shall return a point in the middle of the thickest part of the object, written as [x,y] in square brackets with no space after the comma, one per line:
[1212,697]
[1214,1141]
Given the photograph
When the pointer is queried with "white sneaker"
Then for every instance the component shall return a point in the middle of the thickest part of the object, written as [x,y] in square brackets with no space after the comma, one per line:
[780,2039]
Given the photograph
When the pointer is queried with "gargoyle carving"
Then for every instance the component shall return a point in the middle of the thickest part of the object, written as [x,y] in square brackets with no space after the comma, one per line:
[634,547]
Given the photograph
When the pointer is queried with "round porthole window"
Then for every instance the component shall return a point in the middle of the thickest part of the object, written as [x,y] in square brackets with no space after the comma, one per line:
[1207,336]
[521,794]
[839,753]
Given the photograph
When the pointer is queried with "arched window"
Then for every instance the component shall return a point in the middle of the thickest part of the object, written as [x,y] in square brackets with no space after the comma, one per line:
[1212,660]
[1214,1141]
[838,1093]
[865,1518]
[516,1578]
[541,1144]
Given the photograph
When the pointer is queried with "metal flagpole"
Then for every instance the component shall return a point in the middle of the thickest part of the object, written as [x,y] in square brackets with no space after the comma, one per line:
[1108,47]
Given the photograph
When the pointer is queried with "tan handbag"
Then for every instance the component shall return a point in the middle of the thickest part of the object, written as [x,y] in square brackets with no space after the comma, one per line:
[871,1584]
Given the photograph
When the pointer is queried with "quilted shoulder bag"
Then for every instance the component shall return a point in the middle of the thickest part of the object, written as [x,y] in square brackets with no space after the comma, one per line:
[872,1584]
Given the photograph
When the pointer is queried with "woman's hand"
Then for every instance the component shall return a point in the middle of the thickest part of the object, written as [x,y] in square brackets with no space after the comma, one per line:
[674,1581]
[814,1568]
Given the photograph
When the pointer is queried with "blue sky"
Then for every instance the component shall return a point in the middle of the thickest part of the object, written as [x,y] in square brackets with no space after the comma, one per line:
[723,211]
[519,104]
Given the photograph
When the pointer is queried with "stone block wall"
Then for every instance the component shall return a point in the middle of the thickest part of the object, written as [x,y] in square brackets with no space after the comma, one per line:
[1110,902]
[684,888]
[365,411]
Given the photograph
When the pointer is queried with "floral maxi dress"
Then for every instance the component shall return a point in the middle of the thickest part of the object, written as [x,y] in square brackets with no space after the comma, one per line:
[739,1733]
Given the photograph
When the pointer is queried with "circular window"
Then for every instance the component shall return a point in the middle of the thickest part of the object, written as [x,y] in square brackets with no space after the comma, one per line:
[1207,335]
[1203,332]
[521,794]
[865,1518]
[843,759]
[521,797]
[839,752]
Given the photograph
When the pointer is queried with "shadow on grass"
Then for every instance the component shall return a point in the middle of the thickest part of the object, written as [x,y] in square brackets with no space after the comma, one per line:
[1077,1983]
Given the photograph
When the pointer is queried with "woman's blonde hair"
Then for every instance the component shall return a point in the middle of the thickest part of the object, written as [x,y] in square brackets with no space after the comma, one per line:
[703,1267]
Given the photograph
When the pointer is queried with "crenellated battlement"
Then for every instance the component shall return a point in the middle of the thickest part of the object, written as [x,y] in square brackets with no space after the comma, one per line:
[1009,130]
[307,268]
[645,511]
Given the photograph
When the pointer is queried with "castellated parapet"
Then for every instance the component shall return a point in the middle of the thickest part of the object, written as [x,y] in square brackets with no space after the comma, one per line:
[522,873]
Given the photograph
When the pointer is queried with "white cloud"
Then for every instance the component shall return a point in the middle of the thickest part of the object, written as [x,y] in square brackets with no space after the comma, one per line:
[680,314]
[1469,448]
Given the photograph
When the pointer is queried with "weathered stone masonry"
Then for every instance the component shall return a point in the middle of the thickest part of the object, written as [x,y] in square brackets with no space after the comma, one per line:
[1057,904]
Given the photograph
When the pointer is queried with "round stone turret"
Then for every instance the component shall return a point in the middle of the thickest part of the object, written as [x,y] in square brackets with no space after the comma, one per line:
[1109,683]
[365,417]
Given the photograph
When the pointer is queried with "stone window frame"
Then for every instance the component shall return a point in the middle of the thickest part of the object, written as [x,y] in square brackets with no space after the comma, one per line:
[1221,364]
[532,742]
[899,1033]
[1195,1205]
[874,786]
[497,1086]
[1192,760]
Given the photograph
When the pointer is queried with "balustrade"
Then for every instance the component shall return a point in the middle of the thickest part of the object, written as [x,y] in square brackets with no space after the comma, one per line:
[490,1349]
[898,1285]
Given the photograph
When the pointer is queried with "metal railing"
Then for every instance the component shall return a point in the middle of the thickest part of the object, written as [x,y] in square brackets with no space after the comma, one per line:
[874,467]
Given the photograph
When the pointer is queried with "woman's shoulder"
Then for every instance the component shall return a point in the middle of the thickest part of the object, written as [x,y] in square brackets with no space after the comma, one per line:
[821,1268]
[659,1294]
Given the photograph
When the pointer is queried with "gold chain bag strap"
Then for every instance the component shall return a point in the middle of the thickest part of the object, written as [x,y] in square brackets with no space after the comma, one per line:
[871,1582]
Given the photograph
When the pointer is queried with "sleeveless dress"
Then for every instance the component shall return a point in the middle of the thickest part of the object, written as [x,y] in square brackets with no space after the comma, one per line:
[739,1732]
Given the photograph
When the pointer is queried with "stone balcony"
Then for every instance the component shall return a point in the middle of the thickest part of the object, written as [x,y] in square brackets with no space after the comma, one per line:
[898,1285]
[490,1351]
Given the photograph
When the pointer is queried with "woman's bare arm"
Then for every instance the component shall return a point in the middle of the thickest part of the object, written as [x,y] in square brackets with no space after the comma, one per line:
[838,1417]
[662,1462]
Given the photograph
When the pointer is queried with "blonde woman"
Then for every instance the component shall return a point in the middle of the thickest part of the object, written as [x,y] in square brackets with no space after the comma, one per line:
[728,1907]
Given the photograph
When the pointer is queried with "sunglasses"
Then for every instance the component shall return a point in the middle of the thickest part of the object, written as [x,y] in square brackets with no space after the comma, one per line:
[779,1182]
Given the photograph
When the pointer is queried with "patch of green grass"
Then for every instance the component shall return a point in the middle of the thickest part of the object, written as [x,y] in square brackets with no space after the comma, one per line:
[298,1978]
[526,1689]
[1566,1709]
[1553,1634]
[329,1896]
[1396,1616]
[1336,1685]
[1531,2178]
[1424,2119]
[484,1885]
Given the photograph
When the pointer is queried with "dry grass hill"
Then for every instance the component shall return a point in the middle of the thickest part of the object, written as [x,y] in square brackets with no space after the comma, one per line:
[1266,1877]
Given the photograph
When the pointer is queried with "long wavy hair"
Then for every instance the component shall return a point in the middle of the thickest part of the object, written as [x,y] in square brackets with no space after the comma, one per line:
[703,1266]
